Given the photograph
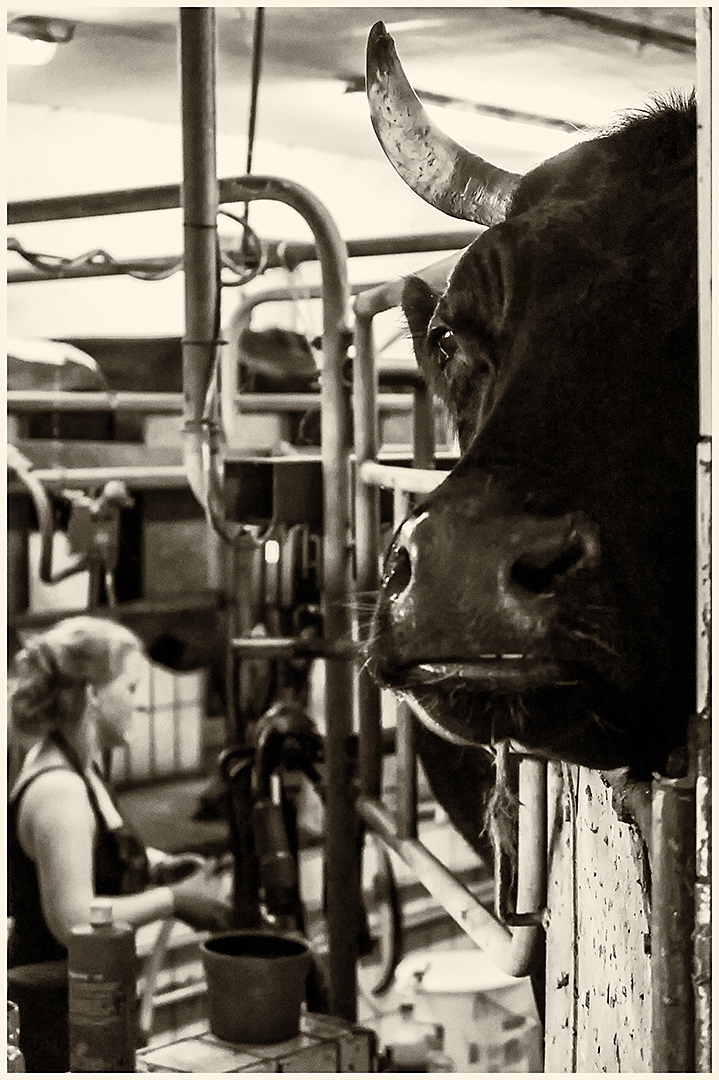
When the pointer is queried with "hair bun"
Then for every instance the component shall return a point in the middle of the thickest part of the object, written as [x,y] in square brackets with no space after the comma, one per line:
[40,657]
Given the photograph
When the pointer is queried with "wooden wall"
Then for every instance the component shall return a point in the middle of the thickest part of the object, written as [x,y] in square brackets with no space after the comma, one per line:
[598,939]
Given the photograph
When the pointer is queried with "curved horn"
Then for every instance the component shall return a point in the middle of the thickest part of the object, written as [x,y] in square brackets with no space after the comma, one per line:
[438,169]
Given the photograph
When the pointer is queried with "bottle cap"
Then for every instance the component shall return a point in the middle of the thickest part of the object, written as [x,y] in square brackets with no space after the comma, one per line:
[101,913]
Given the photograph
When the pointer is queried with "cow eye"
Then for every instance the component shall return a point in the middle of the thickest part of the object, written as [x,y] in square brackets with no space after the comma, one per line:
[443,340]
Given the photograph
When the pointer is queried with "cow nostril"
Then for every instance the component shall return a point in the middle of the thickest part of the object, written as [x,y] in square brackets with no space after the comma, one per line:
[540,579]
[400,574]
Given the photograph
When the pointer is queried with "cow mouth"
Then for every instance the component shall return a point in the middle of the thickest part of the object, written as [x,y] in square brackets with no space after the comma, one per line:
[504,673]
[494,697]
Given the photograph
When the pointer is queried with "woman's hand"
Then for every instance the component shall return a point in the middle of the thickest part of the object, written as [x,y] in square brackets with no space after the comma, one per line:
[198,900]
[169,869]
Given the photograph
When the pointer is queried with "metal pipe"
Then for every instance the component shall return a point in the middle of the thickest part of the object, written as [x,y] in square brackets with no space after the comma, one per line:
[43,509]
[23,401]
[342,877]
[254,403]
[704,211]
[389,295]
[532,846]
[701,767]
[286,647]
[672,924]
[400,478]
[126,610]
[406,725]
[342,861]
[341,854]
[528,777]
[423,429]
[280,254]
[406,750]
[480,925]
[701,764]
[137,476]
[423,458]
[199,202]
[366,532]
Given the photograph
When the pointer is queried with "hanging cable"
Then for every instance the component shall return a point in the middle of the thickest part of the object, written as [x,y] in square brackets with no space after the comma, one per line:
[56,265]
[257,44]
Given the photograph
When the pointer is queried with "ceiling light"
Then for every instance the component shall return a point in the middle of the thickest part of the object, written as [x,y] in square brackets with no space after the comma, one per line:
[26,52]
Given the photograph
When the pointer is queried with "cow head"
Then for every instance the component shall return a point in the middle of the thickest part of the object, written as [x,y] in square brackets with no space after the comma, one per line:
[545,591]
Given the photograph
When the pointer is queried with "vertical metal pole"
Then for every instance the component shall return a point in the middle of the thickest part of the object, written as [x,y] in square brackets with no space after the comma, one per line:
[702,972]
[704,192]
[422,458]
[702,768]
[681,810]
[673,864]
[341,842]
[199,202]
[423,420]
[367,528]
[406,734]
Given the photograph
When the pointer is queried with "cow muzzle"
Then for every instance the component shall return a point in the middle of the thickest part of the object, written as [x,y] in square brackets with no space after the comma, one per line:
[478,603]
[486,590]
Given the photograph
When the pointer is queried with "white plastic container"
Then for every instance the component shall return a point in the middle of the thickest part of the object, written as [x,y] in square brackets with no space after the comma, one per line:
[489,1018]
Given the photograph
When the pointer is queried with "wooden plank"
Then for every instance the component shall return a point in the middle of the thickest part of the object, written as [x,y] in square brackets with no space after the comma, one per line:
[613,978]
[598,967]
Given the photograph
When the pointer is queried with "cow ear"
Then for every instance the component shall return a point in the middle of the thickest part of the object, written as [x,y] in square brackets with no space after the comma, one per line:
[418,303]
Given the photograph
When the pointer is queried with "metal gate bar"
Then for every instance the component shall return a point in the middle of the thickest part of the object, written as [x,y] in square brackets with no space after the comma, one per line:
[681,809]
[702,959]
[515,952]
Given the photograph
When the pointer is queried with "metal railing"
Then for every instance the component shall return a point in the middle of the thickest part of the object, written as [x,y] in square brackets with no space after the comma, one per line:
[515,949]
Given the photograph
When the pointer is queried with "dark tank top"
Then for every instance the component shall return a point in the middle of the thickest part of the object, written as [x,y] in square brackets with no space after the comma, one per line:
[120,868]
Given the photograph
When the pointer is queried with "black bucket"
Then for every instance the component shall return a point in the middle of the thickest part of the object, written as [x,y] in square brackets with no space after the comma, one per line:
[255,985]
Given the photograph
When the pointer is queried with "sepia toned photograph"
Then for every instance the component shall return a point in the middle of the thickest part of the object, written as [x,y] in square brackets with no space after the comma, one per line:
[359,539]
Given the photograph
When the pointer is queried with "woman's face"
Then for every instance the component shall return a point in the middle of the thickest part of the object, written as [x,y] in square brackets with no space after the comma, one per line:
[115,704]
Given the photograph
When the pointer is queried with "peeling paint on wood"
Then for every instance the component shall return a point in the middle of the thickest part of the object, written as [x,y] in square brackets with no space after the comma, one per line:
[598,943]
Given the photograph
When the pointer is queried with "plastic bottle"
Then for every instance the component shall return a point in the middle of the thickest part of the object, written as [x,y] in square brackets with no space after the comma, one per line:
[411,1044]
[102,983]
[15,1057]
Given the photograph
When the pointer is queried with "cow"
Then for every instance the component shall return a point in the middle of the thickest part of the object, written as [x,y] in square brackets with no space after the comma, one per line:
[544,593]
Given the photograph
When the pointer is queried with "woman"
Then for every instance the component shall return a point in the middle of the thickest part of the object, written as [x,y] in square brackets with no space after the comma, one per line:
[72,699]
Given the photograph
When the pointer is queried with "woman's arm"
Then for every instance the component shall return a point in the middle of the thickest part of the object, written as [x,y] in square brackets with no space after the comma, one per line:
[57,829]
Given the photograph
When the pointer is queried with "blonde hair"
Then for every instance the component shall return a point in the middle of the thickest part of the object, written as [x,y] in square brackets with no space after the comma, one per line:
[53,671]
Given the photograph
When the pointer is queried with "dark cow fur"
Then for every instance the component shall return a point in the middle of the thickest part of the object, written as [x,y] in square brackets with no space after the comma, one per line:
[545,591]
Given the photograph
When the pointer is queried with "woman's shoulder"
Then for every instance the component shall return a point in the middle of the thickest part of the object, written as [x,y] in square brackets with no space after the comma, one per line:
[53,801]
[46,772]
[58,783]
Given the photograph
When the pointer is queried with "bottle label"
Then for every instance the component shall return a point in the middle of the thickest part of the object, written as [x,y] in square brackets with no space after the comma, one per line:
[96,1001]
[102,1024]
